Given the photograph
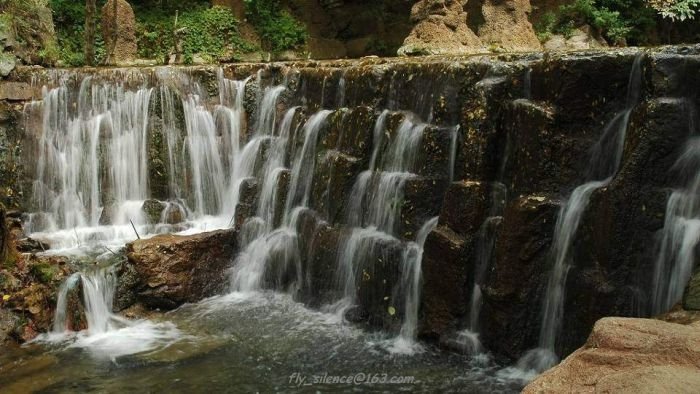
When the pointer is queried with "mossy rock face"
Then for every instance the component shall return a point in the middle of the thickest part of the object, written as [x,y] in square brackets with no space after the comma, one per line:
[44,272]
[153,209]
[691,298]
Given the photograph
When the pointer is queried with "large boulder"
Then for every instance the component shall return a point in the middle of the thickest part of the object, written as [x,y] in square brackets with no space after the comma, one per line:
[506,26]
[440,28]
[625,355]
[119,31]
[174,269]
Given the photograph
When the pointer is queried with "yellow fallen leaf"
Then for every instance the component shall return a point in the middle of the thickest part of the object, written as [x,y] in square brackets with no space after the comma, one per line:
[392,311]
[5,297]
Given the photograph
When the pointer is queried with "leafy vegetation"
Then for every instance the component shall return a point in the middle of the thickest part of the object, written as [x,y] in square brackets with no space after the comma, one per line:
[277,28]
[618,21]
[69,19]
[210,32]
[30,26]
[676,9]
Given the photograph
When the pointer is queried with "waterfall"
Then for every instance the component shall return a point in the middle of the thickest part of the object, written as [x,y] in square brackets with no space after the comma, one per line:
[681,232]
[205,161]
[107,335]
[69,182]
[604,164]
[279,245]
[486,240]
[373,204]
[97,143]
[98,286]
[410,281]
[61,315]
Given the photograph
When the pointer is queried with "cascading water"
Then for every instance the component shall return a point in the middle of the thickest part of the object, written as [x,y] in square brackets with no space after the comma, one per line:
[107,334]
[681,232]
[95,149]
[279,245]
[469,337]
[604,164]
[410,283]
[374,201]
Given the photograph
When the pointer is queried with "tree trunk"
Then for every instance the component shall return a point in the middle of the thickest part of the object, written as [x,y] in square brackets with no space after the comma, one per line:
[90,11]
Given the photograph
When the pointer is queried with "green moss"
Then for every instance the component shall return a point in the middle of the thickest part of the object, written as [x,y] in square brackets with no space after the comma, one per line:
[44,272]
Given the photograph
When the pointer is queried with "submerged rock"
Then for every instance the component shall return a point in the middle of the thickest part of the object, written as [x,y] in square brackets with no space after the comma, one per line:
[174,269]
[629,355]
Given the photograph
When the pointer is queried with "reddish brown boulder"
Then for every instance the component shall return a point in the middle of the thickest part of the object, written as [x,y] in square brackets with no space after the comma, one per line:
[174,269]
[626,355]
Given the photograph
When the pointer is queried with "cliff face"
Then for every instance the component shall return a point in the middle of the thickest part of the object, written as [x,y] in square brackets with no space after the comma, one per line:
[504,141]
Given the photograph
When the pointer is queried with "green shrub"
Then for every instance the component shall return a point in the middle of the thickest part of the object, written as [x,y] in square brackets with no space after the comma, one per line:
[30,24]
[676,9]
[610,24]
[210,32]
[277,28]
[69,19]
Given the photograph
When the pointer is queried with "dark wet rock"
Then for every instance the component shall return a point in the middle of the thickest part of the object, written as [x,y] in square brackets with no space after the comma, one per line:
[319,248]
[422,197]
[378,272]
[539,155]
[31,245]
[446,268]
[465,207]
[76,320]
[514,285]
[618,232]
[247,201]
[334,178]
[691,297]
[435,151]
[176,269]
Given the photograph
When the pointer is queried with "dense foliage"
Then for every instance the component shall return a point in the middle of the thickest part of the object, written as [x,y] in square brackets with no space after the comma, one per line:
[69,19]
[618,21]
[676,9]
[277,28]
[209,32]
[26,22]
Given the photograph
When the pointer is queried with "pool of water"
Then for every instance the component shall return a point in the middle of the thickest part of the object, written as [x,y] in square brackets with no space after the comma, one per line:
[241,342]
